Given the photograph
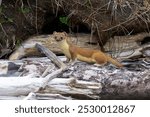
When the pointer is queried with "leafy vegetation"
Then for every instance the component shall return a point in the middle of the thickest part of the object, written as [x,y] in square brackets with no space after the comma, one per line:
[64,20]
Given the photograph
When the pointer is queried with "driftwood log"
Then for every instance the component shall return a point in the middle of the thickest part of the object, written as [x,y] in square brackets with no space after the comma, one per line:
[80,81]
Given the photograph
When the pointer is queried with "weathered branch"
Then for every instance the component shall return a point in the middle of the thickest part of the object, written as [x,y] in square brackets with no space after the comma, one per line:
[55,60]
[50,55]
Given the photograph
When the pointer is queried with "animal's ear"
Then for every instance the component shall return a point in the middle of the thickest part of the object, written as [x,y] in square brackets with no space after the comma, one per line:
[65,33]
[54,32]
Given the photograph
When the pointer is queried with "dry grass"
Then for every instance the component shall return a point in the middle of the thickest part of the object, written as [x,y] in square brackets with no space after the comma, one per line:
[108,16]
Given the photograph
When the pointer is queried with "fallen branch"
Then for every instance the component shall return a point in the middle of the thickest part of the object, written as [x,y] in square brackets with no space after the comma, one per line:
[50,55]
[48,78]
[55,60]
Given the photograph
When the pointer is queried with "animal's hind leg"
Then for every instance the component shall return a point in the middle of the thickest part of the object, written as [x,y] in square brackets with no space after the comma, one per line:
[100,58]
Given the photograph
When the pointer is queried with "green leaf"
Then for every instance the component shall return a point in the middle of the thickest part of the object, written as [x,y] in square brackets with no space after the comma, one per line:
[64,20]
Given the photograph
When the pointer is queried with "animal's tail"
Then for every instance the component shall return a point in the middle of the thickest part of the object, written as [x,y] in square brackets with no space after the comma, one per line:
[115,62]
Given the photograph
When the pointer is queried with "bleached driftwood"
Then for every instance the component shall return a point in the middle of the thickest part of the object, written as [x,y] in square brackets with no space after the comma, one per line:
[24,86]
[146,52]
[86,82]
[93,83]
[130,46]
[135,53]
[55,60]
[13,86]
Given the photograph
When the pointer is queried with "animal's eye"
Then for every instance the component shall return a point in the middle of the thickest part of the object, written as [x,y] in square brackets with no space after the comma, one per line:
[55,37]
[61,38]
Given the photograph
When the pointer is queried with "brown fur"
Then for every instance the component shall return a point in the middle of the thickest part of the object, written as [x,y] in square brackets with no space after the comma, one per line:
[88,55]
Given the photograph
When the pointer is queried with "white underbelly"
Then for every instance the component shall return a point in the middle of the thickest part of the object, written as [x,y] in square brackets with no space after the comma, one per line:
[65,48]
[67,53]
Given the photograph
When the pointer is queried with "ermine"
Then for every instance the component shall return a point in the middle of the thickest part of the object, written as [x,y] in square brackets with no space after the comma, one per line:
[73,52]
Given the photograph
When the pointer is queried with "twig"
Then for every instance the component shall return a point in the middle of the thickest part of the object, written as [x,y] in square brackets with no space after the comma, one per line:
[3,30]
[36,17]
[50,77]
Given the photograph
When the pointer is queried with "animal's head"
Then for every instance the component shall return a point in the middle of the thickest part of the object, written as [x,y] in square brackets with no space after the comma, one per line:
[59,36]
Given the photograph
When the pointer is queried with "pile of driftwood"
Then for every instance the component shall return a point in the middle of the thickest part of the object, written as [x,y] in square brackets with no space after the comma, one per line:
[39,78]
[51,78]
